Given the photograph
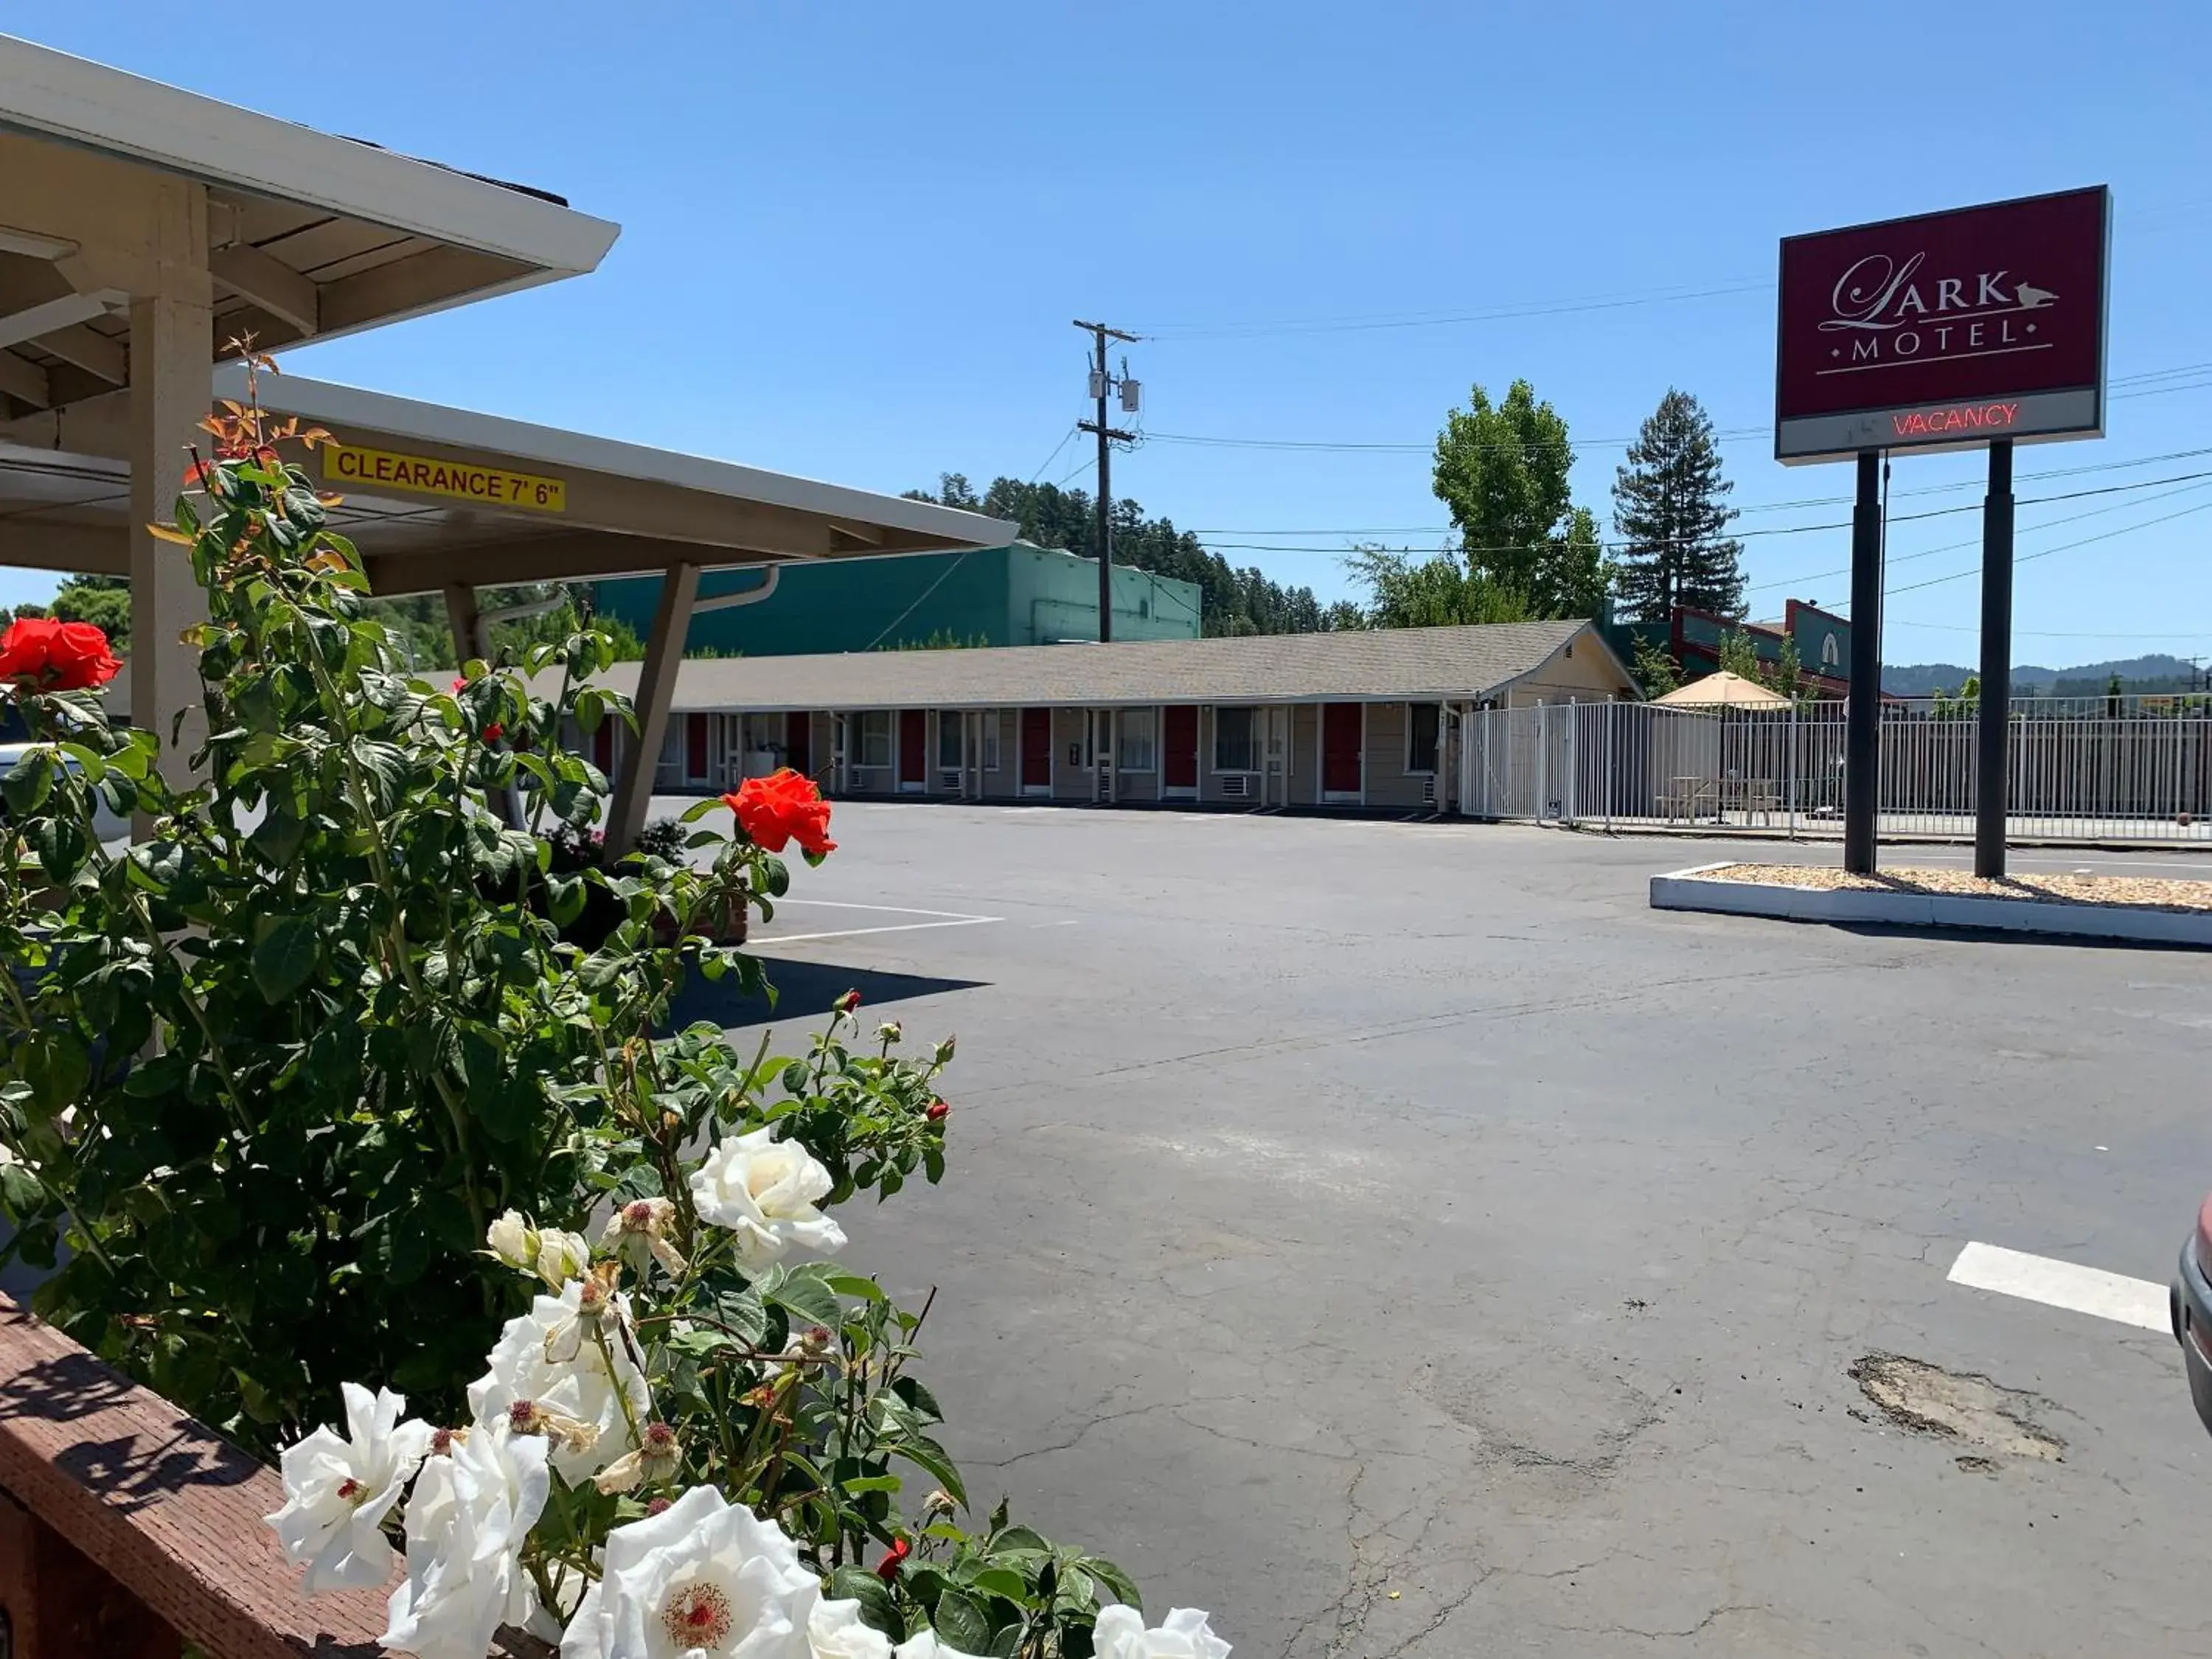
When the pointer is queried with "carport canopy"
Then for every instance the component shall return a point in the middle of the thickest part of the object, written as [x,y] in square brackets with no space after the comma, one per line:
[443,499]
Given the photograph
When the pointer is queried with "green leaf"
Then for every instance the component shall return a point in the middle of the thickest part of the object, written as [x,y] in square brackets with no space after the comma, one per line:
[1001,1581]
[927,1455]
[94,767]
[960,1623]
[803,1294]
[283,955]
[62,844]
[29,781]
[56,1065]
[879,1606]
[917,1395]
[866,1483]
[853,1284]
[1123,1586]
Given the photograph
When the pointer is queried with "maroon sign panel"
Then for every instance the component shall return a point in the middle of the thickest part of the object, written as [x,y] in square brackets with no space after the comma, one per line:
[1947,330]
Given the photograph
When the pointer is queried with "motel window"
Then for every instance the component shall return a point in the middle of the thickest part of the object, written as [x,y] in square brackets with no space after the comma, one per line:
[1235,745]
[990,740]
[950,723]
[876,737]
[1421,736]
[1136,735]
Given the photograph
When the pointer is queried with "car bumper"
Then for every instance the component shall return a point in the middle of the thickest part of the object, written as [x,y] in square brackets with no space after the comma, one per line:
[2191,1304]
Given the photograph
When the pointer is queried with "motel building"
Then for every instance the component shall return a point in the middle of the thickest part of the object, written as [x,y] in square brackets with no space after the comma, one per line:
[1352,720]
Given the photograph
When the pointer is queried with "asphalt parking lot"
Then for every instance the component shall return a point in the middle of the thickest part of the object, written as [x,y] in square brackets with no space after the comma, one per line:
[1400,1240]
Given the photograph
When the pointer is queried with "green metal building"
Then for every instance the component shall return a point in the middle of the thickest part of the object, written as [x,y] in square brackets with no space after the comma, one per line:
[1015,595]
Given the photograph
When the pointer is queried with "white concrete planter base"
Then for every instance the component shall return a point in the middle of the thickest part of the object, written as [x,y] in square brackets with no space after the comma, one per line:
[1694,890]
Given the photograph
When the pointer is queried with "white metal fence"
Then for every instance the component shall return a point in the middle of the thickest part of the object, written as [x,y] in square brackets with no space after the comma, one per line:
[2132,777]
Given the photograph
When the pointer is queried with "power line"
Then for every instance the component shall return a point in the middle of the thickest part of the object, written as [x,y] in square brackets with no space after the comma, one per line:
[1953,547]
[2064,547]
[2185,478]
[1737,436]
[1172,331]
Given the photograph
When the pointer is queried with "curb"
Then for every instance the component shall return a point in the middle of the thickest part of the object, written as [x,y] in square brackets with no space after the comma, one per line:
[1693,890]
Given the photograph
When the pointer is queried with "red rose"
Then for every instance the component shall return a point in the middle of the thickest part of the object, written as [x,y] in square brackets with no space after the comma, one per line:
[460,683]
[492,732]
[44,655]
[846,1004]
[938,1112]
[779,809]
[887,1569]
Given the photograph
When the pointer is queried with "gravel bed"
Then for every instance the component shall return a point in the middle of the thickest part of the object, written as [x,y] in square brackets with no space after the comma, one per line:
[2132,892]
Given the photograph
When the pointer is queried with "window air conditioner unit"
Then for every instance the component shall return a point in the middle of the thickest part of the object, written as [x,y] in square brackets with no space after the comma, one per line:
[1235,786]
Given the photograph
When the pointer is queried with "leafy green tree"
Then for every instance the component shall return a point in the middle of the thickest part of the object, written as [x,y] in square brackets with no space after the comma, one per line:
[1435,592]
[1739,656]
[1656,672]
[103,601]
[1233,600]
[1669,511]
[1501,472]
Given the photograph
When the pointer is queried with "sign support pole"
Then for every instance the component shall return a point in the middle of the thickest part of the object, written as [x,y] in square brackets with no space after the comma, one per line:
[1862,713]
[1990,783]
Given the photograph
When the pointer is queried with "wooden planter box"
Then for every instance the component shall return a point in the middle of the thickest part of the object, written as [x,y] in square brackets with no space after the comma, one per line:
[127,1530]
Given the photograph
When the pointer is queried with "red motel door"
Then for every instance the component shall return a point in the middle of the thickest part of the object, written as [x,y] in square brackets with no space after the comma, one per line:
[1179,746]
[1037,747]
[694,746]
[914,745]
[799,742]
[1340,748]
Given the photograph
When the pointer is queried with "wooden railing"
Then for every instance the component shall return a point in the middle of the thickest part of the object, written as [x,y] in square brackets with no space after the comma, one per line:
[127,1530]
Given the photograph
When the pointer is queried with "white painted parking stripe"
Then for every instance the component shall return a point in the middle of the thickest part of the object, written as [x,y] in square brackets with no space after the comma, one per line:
[2062,1285]
[765,940]
[894,910]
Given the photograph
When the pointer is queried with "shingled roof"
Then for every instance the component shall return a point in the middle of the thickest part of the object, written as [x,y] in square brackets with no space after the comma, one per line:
[1395,665]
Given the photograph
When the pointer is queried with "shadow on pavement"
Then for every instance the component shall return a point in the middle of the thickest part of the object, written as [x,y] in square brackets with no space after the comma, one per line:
[805,991]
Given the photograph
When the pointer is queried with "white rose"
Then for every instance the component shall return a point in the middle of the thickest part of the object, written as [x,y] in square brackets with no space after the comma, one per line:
[1183,1634]
[336,1492]
[470,1517]
[833,1631]
[577,1385]
[513,1240]
[928,1644]
[562,1256]
[763,1190]
[702,1576]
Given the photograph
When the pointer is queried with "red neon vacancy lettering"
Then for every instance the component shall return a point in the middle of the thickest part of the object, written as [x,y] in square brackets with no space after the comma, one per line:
[1957,418]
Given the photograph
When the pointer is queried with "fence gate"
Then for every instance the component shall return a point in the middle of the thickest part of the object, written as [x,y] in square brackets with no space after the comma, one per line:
[2142,775]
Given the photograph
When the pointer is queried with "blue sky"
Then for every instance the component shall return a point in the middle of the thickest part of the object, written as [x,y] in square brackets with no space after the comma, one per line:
[854,236]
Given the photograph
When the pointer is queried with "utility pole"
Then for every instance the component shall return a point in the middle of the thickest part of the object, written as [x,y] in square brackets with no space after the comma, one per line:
[1103,383]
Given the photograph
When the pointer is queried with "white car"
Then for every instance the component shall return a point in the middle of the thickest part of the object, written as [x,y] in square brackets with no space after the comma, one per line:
[108,824]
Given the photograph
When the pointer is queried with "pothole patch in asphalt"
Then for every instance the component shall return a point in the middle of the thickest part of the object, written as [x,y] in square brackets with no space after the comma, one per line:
[1961,1407]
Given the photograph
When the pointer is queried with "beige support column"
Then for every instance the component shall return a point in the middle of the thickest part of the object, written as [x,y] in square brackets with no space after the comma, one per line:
[656,690]
[461,614]
[171,351]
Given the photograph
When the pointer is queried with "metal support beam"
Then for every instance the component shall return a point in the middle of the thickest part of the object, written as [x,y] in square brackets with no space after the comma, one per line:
[1862,713]
[656,692]
[1992,775]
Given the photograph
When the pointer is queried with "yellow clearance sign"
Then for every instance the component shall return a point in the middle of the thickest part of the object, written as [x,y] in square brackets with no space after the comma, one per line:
[346,467]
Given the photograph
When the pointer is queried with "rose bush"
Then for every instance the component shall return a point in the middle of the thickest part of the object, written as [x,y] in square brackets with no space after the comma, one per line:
[328,1106]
